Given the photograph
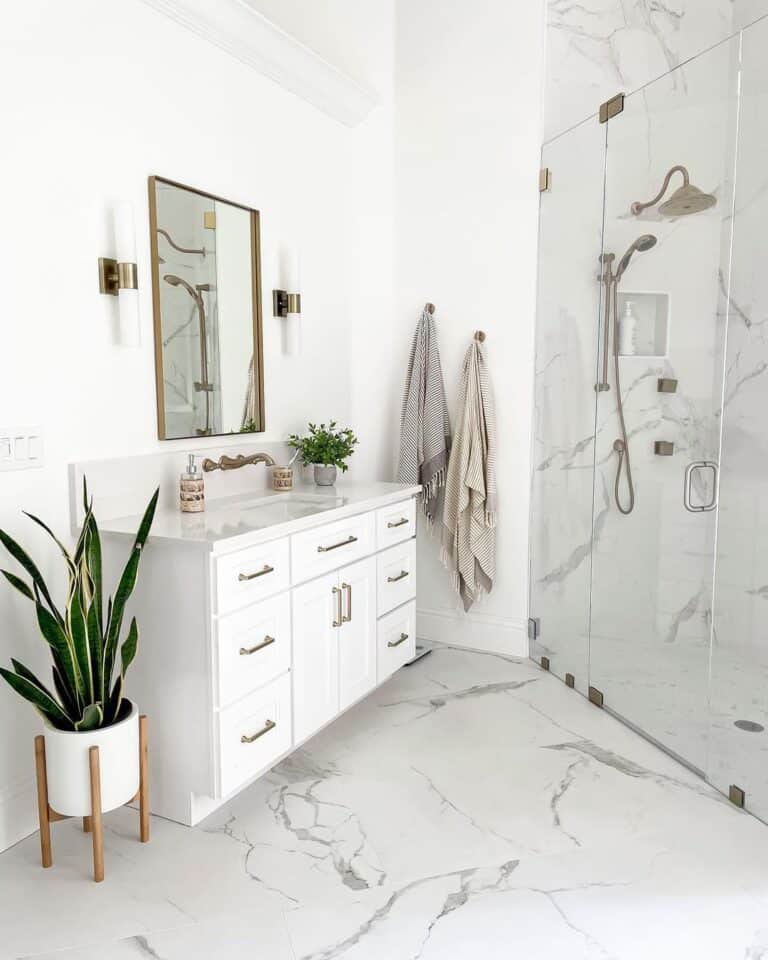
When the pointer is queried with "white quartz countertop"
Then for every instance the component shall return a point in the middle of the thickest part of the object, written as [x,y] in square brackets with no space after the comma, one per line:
[232,522]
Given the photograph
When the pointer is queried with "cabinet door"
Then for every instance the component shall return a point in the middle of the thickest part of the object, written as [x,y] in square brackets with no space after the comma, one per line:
[357,635]
[315,655]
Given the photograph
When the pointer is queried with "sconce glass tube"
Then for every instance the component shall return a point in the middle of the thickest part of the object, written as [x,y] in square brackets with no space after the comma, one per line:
[118,277]
[286,303]
[128,293]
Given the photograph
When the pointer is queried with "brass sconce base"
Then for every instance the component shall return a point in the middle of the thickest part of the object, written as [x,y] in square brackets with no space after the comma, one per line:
[114,276]
[284,303]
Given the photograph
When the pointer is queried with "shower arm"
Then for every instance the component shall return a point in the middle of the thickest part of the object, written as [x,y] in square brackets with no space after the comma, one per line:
[638,207]
[176,246]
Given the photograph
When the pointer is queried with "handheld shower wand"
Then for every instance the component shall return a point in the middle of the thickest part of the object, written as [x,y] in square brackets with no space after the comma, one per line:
[610,280]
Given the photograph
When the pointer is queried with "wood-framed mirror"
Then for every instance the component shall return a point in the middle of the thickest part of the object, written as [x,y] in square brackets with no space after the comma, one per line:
[206,294]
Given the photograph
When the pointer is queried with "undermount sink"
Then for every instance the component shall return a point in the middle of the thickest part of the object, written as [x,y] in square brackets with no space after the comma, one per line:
[266,511]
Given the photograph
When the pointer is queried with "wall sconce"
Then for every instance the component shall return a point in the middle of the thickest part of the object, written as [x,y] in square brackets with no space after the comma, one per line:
[287,304]
[119,277]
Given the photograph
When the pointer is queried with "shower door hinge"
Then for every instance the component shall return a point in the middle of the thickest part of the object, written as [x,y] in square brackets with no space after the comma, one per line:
[736,795]
[545,179]
[611,108]
[596,696]
[534,628]
[570,680]
[544,663]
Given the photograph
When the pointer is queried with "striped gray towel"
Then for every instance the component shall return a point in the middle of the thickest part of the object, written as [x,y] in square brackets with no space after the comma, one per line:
[469,515]
[425,430]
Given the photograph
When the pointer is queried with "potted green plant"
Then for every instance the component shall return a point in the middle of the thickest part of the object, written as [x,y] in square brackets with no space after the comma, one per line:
[84,707]
[326,448]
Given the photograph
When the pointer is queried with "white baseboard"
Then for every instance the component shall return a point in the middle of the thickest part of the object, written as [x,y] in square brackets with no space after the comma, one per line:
[18,812]
[474,631]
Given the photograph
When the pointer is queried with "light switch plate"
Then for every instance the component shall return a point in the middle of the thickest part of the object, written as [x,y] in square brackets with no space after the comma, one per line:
[21,448]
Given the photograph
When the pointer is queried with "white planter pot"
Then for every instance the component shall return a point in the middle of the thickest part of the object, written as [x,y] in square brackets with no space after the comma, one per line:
[325,476]
[66,760]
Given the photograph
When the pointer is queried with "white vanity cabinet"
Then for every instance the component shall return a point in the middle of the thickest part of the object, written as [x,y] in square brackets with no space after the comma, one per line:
[334,644]
[252,641]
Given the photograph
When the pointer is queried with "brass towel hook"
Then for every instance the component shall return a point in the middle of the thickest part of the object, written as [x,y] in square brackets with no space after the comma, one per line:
[479,335]
[429,307]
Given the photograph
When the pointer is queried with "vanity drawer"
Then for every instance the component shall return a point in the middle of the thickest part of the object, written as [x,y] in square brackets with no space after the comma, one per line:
[253,733]
[253,646]
[396,576]
[333,545]
[396,523]
[250,575]
[396,640]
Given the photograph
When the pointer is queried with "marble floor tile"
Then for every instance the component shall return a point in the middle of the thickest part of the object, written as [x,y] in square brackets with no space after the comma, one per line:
[471,806]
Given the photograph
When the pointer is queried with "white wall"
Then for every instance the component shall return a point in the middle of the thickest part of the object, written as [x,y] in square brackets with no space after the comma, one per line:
[468,81]
[102,95]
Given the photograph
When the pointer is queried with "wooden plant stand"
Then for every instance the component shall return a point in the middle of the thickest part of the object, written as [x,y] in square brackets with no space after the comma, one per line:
[91,824]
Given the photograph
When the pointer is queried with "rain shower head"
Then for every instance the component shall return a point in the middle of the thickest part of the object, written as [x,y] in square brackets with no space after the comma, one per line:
[684,201]
[643,243]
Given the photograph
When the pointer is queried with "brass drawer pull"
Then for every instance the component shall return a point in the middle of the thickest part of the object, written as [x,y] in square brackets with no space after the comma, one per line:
[269,725]
[247,651]
[348,588]
[259,573]
[401,576]
[338,618]
[335,546]
[396,643]
[398,523]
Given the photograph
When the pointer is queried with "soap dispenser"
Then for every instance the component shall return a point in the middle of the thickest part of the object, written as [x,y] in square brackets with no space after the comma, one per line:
[192,489]
[628,331]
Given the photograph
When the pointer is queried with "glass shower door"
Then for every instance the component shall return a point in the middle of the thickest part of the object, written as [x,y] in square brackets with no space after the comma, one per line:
[570,232]
[738,753]
[652,566]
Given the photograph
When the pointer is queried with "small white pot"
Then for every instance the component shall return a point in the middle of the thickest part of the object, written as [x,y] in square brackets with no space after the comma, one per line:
[325,476]
[66,761]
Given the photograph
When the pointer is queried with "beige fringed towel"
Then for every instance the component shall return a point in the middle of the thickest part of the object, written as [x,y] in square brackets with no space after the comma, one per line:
[469,513]
[425,430]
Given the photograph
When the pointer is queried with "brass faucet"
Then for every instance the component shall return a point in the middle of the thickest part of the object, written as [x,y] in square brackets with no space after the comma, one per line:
[233,463]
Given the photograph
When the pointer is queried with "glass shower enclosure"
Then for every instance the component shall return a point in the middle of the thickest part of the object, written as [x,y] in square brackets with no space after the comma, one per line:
[649,535]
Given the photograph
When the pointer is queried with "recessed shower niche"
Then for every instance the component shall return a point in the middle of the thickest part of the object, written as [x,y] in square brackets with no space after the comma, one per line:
[643,324]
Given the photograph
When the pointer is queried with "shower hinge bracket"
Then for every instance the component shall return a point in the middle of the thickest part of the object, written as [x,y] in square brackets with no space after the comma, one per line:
[544,663]
[534,628]
[596,696]
[545,179]
[570,680]
[611,108]
[736,795]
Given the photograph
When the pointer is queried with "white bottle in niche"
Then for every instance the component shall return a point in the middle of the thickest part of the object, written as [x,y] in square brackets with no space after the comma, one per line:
[628,331]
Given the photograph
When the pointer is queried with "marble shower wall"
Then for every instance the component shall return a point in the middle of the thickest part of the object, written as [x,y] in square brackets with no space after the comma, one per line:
[597,48]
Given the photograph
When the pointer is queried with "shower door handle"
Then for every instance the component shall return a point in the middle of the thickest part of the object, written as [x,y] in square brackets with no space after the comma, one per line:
[688,484]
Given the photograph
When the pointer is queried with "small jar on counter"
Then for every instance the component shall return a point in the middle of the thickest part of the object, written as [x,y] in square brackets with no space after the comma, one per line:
[282,478]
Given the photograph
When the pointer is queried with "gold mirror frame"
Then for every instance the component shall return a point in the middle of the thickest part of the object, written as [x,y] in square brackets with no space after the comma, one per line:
[258,347]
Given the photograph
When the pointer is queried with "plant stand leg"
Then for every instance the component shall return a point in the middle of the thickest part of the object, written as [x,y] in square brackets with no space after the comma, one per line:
[143,780]
[96,826]
[86,824]
[46,854]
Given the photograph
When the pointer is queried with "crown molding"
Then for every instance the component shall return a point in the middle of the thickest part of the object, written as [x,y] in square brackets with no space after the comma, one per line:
[238,29]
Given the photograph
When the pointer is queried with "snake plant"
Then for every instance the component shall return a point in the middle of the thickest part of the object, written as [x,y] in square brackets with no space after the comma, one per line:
[83,638]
